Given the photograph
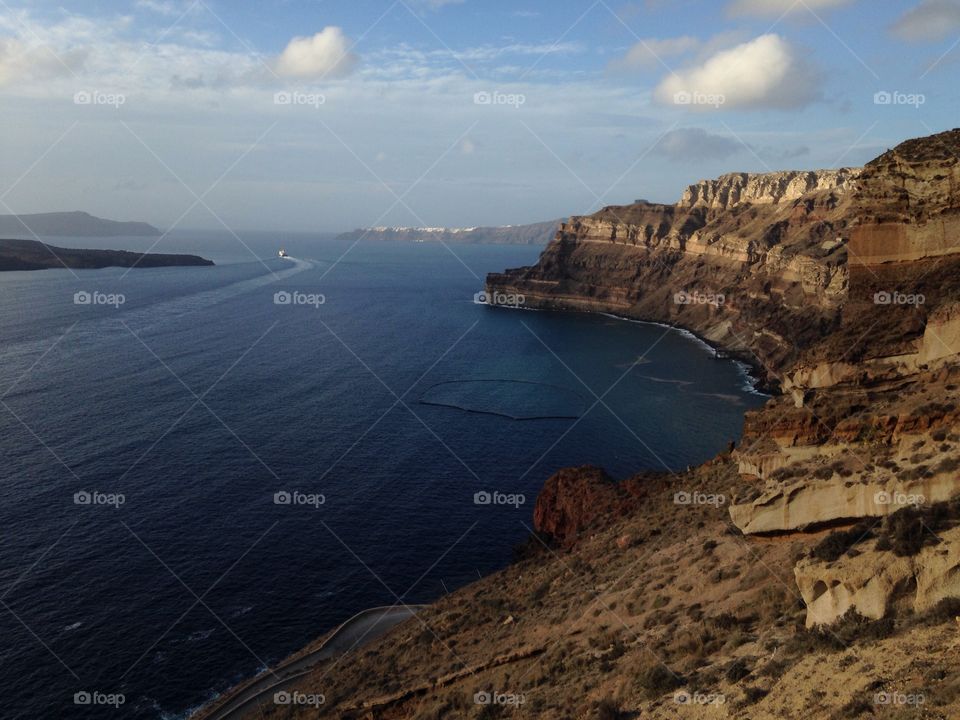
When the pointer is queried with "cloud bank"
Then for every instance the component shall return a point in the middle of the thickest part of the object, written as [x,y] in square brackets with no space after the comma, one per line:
[930,20]
[653,52]
[767,8]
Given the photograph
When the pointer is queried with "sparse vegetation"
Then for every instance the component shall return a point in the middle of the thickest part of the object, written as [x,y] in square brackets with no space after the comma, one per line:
[657,679]
[836,544]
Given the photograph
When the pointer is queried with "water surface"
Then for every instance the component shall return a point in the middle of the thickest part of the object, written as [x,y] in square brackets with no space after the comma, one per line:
[199,400]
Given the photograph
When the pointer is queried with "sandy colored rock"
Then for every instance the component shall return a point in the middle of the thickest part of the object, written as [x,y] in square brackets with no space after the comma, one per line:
[871,581]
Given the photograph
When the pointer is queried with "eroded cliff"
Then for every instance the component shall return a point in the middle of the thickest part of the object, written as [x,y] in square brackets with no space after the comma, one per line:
[842,287]
[633,600]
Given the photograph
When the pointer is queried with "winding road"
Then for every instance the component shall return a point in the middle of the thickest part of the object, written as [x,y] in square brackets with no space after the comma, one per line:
[362,628]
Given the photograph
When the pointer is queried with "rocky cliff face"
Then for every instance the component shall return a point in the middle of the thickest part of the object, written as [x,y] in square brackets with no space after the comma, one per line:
[733,189]
[575,501]
[841,286]
[871,581]
[764,279]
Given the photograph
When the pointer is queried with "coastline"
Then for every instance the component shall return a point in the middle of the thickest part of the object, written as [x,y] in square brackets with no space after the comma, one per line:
[749,366]
[749,370]
[251,691]
[212,709]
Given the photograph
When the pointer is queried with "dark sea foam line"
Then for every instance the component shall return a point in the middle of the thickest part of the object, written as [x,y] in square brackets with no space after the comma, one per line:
[751,381]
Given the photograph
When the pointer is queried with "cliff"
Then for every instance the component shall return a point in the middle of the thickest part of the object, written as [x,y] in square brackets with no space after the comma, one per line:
[768,188]
[763,279]
[71,224]
[34,255]
[815,575]
[840,286]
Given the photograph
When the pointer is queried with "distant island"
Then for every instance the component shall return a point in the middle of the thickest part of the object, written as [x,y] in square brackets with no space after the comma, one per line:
[535,234]
[34,255]
[71,224]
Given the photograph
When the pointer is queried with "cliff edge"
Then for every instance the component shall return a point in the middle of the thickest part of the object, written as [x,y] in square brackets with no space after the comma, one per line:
[812,571]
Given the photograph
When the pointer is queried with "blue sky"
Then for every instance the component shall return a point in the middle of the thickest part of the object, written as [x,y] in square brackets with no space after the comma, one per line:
[329,115]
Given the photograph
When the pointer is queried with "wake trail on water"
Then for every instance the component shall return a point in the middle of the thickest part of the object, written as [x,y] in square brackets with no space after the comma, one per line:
[177,307]
[148,317]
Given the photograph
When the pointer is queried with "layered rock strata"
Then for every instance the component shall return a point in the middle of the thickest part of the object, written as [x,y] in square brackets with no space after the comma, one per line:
[842,287]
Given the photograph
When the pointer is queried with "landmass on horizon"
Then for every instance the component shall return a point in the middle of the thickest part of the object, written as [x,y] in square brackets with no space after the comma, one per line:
[18,254]
[533,234]
[71,224]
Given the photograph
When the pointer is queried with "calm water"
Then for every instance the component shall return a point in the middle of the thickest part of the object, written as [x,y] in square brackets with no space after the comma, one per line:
[199,398]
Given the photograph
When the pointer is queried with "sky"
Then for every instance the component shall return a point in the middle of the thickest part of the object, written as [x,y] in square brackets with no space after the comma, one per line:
[327,115]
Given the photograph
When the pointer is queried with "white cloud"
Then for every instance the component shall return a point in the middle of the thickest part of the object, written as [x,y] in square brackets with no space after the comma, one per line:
[435,4]
[764,73]
[167,8]
[21,61]
[780,7]
[325,54]
[930,20]
[653,52]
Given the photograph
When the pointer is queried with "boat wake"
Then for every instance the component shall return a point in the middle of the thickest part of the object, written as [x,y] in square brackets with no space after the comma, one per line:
[145,318]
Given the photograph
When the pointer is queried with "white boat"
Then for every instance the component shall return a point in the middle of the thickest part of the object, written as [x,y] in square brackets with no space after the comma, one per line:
[282,253]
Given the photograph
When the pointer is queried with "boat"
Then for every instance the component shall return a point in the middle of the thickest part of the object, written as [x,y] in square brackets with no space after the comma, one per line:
[282,253]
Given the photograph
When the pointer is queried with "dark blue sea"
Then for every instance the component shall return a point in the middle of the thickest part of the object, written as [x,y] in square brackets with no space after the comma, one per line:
[197,481]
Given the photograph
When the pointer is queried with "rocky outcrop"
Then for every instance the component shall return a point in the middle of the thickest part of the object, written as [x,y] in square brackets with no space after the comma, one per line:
[871,581]
[765,188]
[572,500]
[811,502]
[908,203]
[938,346]
[575,500]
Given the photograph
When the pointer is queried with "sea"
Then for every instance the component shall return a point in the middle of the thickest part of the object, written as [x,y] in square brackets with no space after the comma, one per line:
[205,468]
